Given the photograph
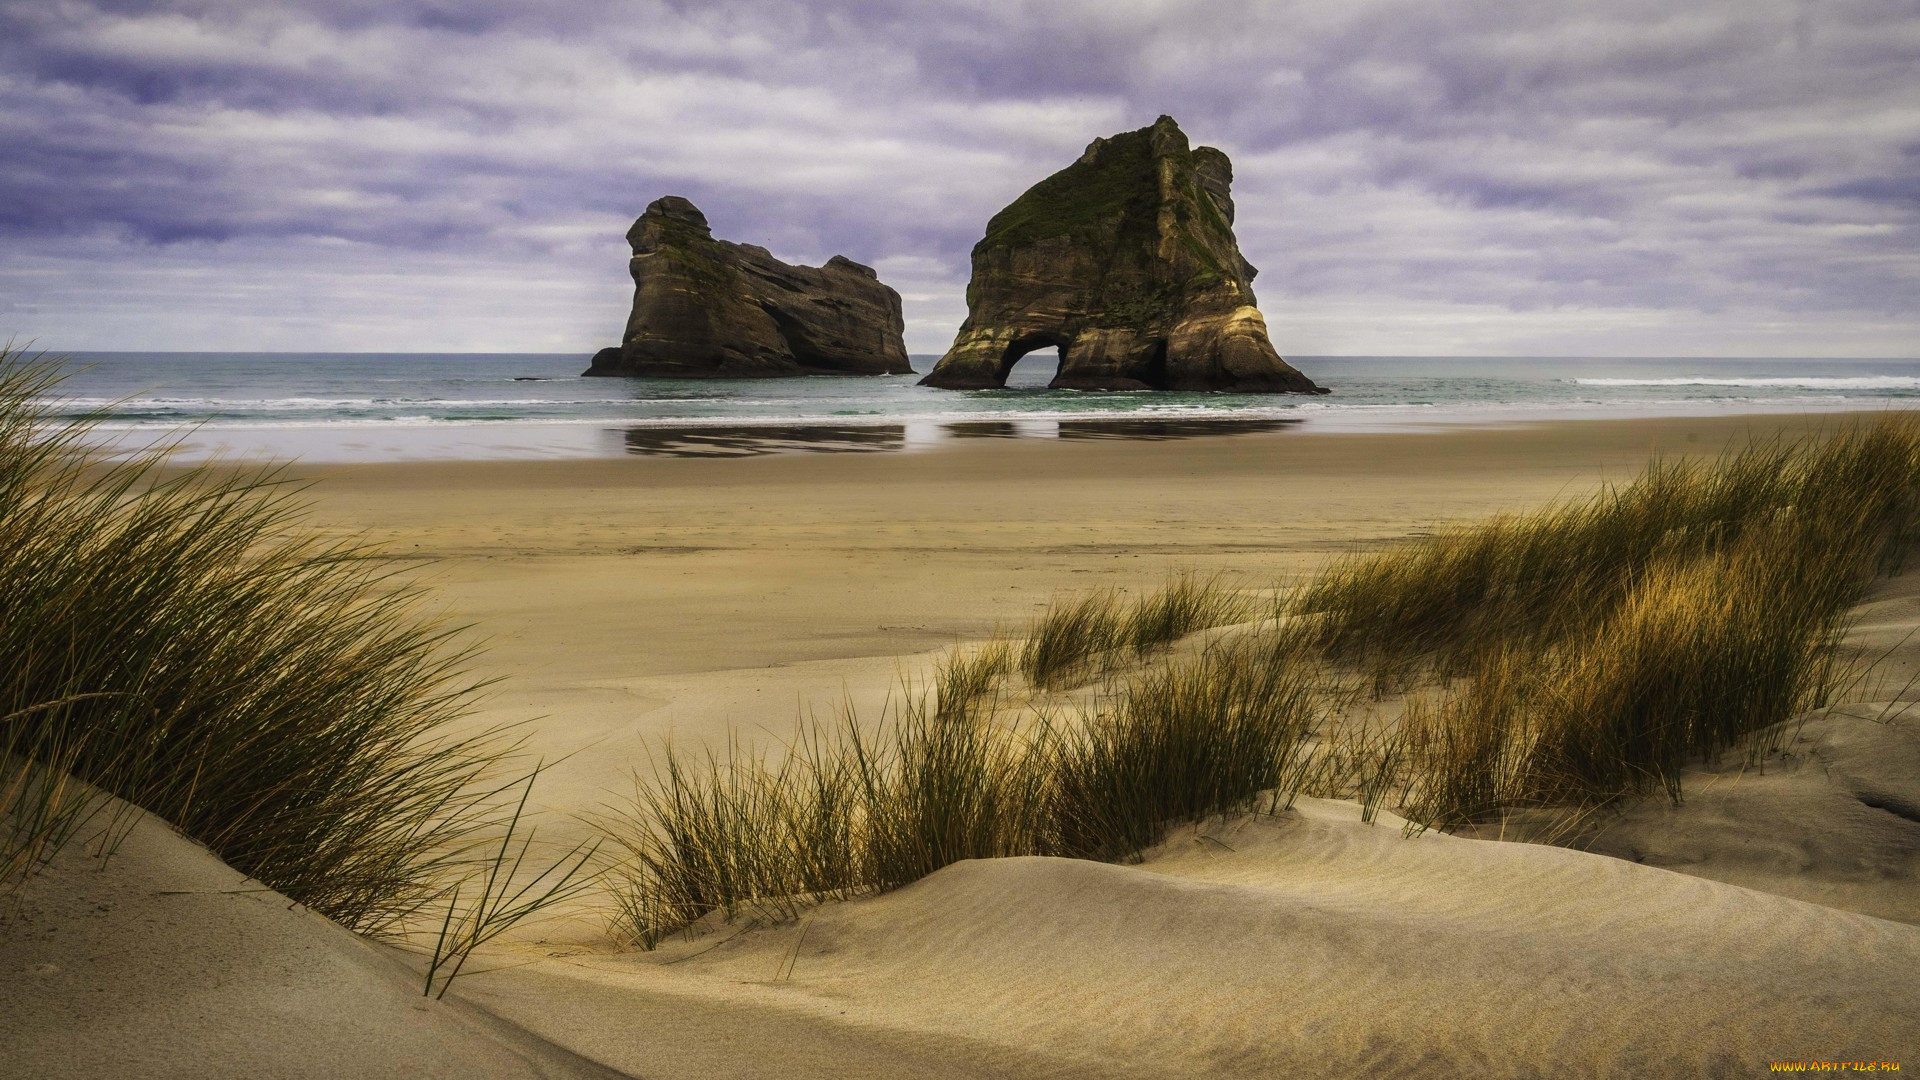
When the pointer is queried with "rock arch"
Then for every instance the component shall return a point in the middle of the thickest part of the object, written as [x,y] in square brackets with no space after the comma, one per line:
[1126,260]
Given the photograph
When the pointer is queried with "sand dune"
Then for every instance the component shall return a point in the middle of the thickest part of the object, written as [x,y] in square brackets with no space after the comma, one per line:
[629,601]
[164,962]
[1309,944]
[1834,817]
[1306,944]
[1836,821]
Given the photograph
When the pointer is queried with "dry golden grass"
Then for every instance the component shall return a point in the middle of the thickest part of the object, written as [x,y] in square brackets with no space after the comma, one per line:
[175,638]
[1066,641]
[1559,659]
[842,813]
[1599,647]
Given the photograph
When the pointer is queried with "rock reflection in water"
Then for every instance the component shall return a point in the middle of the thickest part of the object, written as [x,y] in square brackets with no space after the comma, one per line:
[716,442]
[1150,430]
[986,429]
[753,440]
[1167,429]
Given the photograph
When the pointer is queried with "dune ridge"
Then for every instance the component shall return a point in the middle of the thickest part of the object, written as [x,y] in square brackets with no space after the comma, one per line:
[164,962]
[1308,944]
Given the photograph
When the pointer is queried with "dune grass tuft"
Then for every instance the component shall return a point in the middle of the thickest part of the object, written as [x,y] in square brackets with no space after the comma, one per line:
[966,676]
[175,638]
[1069,636]
[1585,653]
[841,812]
[1072,634]
[1186,604]
[845,813]
[1700,654]
[42,806]
[1444,600]
[1186,741]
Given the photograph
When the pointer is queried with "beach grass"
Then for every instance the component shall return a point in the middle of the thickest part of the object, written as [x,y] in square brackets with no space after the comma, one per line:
[839,812]
[42,805]
[1064,642]
[1069,636]
[1186,604]
[177,637]
[1587,652]
[966,676]
[1442,601]
[1562,659]
[844,812]
[1699,655]
[1185,741]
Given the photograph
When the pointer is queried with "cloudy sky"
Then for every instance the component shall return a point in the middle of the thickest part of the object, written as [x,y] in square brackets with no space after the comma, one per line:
[1412,177]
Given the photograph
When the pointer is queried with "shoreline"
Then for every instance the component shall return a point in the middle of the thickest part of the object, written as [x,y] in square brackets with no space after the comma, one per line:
[1565,441]
[782,558]
[589,439]
[627,601]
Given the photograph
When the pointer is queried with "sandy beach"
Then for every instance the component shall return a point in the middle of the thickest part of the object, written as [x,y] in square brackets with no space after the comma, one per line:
[624,603]
[1009,541]
[627,601]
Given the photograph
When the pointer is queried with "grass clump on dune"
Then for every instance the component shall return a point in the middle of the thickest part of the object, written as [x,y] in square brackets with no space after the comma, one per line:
[968,676]
[1539,575]
[1071,635]
[1186,741]
[1699,654]
[174,639]
[41,805]
[846,813]
[713,836]
[1186,604]
[1560,659]
[1576,674]
[841,813]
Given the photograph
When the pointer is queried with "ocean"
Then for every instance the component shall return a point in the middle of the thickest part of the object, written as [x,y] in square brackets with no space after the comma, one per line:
[425,406]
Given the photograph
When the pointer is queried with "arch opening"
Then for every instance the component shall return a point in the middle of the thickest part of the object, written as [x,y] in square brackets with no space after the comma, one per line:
[1034,370]
[1032,362]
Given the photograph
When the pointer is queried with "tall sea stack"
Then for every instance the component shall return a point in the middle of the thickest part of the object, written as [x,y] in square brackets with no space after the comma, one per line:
[1126,261]
[712,309]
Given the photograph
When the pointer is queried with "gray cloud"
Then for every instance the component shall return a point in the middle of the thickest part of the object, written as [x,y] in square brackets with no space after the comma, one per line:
[1738,172]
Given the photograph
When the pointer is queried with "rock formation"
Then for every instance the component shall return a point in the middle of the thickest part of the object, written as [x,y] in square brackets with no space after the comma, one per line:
[1126,261]
[711,309]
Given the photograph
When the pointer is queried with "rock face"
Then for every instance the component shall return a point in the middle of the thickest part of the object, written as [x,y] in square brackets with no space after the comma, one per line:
[711,309]
[1126,261]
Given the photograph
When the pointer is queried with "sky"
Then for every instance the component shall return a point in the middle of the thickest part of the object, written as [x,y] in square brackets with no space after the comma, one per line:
[1614,178]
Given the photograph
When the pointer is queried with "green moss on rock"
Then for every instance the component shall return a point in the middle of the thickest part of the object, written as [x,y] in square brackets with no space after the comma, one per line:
[1112,183]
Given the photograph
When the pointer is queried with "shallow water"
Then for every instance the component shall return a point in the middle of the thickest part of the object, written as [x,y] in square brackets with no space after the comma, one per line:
[464,406]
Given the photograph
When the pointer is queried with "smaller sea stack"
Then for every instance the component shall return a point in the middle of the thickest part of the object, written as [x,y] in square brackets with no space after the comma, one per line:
[712,309]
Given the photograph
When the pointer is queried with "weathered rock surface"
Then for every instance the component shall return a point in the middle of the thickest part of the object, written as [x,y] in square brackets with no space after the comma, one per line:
[712,309]
[1126,261]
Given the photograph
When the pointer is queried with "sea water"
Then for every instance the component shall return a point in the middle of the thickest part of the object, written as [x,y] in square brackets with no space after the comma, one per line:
[413,406]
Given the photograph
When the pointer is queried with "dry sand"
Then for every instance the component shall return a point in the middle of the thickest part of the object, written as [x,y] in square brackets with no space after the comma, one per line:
[628,601]
[1305,945]
[164,962]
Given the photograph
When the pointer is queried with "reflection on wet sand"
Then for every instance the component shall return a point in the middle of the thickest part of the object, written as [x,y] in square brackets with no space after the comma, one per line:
[1167,429]
[750,441]
[987,429]
[703,442]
